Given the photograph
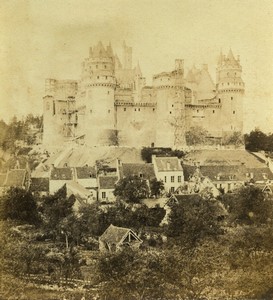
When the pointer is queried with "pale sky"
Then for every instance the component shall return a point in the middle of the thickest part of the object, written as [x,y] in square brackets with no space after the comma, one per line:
[50,38]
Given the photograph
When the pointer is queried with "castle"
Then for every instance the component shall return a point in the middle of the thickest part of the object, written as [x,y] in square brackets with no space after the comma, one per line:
[112,105]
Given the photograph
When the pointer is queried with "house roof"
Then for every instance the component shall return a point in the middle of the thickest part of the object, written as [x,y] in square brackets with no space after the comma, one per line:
[39,184]
[187,197]
[168,164]
[260,174]
[61,174]
[16,177]
[85,172]
[114,234]
[223,172]
[188,171]
[146,171]
[107,182]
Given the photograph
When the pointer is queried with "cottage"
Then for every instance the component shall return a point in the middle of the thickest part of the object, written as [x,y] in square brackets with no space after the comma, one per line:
[59,177]
[39,186]
[115,238]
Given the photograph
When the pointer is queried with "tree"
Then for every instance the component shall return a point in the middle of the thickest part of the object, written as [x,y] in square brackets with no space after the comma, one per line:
[55,209]
[194,220]
[236,139]
[157,187]
[19,204]
[248,205]
[196,136]
[132,189]
[256,140]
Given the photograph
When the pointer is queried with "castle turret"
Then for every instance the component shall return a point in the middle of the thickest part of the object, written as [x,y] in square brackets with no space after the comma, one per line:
[230,91]
[170,130]
[97,88]
[127,57]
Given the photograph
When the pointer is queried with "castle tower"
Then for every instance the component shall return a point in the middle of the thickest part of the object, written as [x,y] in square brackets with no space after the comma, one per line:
[230,91]
[170,131]
[127,57]
[97,90]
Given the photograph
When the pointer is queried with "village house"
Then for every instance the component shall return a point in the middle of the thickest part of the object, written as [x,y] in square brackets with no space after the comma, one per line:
[116,238]
[39,186]
[170,171]
[14,178]
[59,177]
[106,187]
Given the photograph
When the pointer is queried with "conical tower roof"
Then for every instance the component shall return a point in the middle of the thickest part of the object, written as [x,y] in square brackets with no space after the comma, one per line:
[138,70]
[99,51]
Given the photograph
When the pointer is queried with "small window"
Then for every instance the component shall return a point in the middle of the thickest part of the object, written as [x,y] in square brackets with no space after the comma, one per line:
[140,175]
[91,111]
[179,178]
[103,195]
[172,189]
[139,109]
[172,105]
[213,111]
[135,109]
[153,109]
[197,111]
[124,108]
[108,92]
[165,179]
[105,67]
[231,98]
[234,112]
[228,83]
[106,77]
[98,77]
[219,100]
[170,112]
[109,111]
[172,178]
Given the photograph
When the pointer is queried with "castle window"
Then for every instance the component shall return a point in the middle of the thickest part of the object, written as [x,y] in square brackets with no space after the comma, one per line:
[105,77]
[228,83]
[153,109]
[139,109]
[197,111]
[234,112]
[91,111]
[108,92]
[135,109]
[109,111]
[219,100]
[213,111]
[231,98]
[124,108]
[104,66]
[170,112]
[172,105]
[98,77]
[227,73]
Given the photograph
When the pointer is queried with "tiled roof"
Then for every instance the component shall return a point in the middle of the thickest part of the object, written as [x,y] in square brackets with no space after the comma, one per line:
[188,171]
[146,171]
[61,174]
[107,182]
[168,164]
[3,178]
[223,172]
[39,184]
[114,234]
[16,177]
[85,172]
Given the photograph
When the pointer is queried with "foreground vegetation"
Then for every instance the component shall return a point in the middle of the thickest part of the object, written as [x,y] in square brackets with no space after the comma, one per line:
[209,249]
